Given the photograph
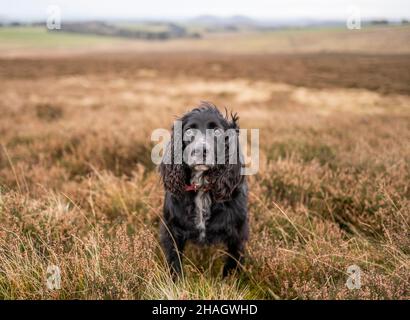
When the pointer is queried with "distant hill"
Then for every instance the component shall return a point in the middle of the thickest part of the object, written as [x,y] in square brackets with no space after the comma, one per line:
[210,20]
[233,23]
[147,31]
[240,22]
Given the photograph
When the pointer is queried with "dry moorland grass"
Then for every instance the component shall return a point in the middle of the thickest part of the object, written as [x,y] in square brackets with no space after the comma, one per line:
[78,189]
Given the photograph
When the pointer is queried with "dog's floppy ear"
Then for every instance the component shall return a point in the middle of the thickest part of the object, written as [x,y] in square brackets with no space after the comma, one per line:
[227,177]
[172,171]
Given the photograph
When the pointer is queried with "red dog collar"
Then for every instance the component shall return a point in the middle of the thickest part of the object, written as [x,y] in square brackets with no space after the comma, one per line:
[194,187]
[191,187]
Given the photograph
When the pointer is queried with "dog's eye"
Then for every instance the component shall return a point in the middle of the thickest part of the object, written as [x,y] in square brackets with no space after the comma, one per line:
[211,125]
[218,132]
[189,133]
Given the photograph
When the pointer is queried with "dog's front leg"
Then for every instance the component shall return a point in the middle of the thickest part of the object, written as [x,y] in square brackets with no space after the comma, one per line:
[173,247]
[235,256]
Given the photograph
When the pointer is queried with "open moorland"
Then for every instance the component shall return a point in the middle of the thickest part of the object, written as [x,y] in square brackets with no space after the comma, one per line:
[78,189]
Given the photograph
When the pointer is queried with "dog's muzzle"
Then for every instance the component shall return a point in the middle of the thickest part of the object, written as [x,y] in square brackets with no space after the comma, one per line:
[200,155]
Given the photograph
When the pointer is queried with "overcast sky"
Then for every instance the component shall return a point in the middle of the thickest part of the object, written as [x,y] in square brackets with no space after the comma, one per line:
[131,9]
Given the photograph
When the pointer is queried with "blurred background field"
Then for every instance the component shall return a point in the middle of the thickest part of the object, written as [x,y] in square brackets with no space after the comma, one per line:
[78,188]
[37,40]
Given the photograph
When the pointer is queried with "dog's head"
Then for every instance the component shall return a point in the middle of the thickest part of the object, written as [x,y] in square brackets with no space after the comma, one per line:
[207,141]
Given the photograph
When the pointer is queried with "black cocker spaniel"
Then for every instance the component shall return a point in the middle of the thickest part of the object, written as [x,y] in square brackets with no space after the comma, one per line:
[205,192]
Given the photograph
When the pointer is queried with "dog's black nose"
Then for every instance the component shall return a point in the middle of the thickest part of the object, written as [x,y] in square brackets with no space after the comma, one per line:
[199,151]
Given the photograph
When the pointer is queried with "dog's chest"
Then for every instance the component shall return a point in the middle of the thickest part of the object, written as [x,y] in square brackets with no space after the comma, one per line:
[202,212]
[203,204]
